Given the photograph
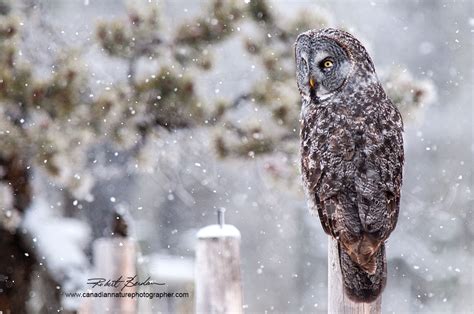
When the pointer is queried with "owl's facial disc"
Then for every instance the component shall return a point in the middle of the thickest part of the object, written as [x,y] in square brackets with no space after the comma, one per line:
[322,67]
[330,68]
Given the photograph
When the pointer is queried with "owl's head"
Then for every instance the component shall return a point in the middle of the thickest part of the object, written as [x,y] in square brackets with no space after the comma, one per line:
[324,62]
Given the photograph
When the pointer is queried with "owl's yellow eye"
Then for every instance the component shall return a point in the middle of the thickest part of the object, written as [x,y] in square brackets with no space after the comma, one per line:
[328,63]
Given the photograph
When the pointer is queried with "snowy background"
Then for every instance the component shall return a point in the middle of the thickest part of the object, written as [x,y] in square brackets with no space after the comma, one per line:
[284,250]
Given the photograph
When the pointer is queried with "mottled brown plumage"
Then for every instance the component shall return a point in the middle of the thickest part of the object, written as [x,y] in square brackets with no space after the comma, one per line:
[351,154]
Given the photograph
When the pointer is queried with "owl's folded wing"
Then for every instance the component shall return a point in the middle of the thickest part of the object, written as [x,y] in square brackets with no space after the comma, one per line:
[379,175]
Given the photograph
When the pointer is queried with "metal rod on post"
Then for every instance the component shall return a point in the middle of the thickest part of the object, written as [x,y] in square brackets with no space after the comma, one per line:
[221,217]
[338,302]
[218,281]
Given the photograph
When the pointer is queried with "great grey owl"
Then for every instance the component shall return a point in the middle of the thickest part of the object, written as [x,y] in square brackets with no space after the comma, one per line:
[351,154]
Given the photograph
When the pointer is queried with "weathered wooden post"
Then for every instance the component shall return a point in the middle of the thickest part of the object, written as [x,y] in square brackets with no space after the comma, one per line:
[338,302]
[218,282]
[114,259]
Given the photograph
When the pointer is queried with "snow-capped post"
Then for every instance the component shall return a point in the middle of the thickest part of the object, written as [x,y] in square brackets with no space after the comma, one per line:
[218,282]
[115,257]
[338,302]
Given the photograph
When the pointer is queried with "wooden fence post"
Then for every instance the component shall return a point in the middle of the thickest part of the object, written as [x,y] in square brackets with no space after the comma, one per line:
[338,302]
[218,282]
[113,258]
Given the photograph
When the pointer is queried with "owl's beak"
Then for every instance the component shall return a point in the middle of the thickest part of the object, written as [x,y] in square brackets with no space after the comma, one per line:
[312,90]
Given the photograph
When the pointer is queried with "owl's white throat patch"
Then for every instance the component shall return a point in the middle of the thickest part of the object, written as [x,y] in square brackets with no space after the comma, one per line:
[325,96]
[321,95]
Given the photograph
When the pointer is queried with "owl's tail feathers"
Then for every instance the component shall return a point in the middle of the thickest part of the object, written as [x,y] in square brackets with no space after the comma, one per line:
[359,285]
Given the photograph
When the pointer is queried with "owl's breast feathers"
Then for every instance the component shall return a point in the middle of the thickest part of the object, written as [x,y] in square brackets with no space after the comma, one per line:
[351,160]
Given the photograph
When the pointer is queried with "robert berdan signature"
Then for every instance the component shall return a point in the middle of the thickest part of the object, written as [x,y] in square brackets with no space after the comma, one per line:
[121,283]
